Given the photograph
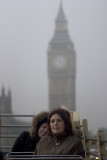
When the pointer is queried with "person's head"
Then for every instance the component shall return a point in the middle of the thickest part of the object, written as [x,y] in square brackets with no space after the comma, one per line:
[43,130]
[40,126]
[59,122]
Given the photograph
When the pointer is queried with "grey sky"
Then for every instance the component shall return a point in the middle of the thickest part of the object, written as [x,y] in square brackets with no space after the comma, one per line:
[26,28]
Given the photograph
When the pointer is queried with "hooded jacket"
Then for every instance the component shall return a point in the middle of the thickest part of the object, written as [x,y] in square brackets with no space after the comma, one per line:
[26,142]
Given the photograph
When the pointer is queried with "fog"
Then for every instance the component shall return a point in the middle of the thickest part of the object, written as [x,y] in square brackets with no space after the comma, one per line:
[26,28]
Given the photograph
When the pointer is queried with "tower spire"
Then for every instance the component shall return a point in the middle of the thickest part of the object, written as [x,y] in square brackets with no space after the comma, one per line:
[9,92]
[61,16]
[61,22]
[3,91]
[61,34]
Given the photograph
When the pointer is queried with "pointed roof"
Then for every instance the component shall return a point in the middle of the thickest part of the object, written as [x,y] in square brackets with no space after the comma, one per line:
[3,90]
[9,92]
[61,34]
[61,15]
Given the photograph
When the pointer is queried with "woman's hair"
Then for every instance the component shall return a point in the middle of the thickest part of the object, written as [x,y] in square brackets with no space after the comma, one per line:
[37,121]
[66,118]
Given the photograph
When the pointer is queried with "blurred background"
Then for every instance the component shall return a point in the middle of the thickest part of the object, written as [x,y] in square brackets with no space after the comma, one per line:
[26,28]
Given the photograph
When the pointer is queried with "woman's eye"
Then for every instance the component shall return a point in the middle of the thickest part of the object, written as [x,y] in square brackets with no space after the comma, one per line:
[57,120]
[52,121]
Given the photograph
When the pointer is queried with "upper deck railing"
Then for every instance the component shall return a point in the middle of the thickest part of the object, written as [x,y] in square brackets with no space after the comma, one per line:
[30,156]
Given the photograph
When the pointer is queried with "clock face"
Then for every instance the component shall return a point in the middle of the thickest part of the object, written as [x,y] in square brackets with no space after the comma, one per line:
[59,61]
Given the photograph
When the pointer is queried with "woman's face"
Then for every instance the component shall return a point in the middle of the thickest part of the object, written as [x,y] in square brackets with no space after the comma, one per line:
[43,130]
[57,124]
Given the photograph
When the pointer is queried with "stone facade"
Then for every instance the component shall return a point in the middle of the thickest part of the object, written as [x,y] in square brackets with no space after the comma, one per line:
[61,66]
[6,108]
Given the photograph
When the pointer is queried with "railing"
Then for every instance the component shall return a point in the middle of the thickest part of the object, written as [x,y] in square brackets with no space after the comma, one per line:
[30,156]
[94,146]
[98,151]
[9,131]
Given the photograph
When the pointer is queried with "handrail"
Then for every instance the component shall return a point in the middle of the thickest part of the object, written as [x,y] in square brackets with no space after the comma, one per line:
[15,125]
[28,156]
[16,115]
[5,147]
[9,136]
[8,128]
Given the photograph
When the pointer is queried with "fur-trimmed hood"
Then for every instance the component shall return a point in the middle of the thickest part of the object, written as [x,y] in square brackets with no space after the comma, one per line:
[42,116]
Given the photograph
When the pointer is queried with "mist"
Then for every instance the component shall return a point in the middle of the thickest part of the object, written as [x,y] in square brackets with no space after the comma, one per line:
[26,28]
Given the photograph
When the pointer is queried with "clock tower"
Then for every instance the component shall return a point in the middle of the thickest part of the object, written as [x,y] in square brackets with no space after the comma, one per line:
[61,66]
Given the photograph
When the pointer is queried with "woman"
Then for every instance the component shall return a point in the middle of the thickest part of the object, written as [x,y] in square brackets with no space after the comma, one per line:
[26,142]
[62,140]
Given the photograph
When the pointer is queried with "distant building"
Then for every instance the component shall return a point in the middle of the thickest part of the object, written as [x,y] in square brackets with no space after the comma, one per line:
[5,102]
[6,108]
[61,66]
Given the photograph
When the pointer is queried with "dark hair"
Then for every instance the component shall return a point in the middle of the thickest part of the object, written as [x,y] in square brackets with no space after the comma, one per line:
[45,120]
[37,121]
[64,115]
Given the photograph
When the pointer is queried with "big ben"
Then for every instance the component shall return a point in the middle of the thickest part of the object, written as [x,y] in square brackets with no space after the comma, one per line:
[61,66]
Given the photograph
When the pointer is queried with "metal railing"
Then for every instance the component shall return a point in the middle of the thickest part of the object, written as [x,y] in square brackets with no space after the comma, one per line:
[99,151]
[30,156]
[10,128]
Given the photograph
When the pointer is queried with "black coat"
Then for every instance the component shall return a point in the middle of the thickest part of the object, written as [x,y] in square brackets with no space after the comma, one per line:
[24,143]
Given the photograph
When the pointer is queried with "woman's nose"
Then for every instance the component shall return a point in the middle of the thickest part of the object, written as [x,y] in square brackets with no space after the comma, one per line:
[55,122]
